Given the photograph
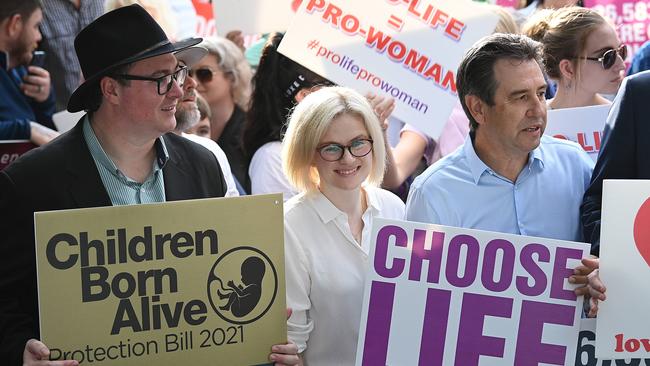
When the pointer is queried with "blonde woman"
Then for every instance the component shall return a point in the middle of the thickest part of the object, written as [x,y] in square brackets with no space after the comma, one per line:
[582,54]
[334,153]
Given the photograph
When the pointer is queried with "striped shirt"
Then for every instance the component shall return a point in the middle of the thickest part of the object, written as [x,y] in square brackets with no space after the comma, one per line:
[121,189]
[61,23]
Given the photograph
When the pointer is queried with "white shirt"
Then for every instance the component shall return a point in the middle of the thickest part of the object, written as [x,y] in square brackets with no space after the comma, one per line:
[221,158]
[266,171]
[325,273]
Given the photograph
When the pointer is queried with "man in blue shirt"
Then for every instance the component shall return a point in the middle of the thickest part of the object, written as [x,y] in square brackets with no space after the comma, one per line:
[26,100]
[507,177]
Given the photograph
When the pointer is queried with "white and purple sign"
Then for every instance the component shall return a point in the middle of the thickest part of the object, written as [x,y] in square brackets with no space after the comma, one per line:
[438,295]
[623,326]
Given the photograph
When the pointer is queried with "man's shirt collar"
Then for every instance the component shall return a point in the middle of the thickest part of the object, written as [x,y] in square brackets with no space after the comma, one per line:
[477,167]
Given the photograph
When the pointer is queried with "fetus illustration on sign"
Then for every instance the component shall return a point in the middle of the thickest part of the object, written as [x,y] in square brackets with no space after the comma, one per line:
[242,285]
[243,298]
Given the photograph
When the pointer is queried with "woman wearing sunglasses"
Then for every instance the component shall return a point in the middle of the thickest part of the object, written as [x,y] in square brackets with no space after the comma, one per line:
[582,54]
[223,79]
[334,153]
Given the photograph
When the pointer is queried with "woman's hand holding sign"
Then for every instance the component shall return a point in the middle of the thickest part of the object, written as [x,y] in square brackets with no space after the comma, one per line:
[285,354]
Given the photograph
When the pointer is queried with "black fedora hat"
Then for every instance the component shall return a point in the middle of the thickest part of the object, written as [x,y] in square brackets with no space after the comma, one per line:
[117,38]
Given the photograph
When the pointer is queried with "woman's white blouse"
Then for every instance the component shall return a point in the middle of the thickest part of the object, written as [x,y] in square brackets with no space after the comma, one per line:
[325,273]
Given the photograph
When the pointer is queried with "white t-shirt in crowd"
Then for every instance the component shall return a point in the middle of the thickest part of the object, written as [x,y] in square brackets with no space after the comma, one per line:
[325,273]
[221,158]
[266,171]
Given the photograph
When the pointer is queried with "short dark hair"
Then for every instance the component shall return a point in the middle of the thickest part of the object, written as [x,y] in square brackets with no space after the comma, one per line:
[25,8]
[475,74]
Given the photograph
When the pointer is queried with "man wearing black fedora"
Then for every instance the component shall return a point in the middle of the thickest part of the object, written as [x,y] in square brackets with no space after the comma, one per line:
[119,153]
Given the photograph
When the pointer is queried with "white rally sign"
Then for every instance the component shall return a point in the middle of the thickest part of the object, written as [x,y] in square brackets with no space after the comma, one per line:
[623,327]
[409,50]
[586,354]
[438,295]
[583,125]
[253,16]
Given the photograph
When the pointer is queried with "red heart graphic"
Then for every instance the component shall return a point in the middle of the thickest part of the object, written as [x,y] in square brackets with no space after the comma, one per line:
[642,230]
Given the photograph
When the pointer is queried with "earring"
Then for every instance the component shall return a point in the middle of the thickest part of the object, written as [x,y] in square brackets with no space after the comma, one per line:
[568,84]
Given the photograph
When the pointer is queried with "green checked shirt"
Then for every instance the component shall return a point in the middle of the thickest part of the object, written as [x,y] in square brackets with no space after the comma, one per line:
[121,189]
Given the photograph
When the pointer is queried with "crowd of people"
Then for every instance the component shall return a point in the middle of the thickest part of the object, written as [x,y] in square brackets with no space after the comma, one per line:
[174,118]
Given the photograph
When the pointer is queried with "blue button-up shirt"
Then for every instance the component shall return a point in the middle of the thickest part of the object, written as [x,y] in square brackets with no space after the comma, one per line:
[462,191]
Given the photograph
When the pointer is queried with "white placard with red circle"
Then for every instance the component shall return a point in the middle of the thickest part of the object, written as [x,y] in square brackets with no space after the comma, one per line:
[623,326]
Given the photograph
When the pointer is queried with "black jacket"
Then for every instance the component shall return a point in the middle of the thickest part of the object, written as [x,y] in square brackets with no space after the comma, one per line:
[625,152]
[63,175]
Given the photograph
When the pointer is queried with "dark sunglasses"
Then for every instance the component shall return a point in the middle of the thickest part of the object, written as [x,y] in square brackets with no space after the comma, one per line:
[202,75]
[608,59]
[334,152]
[164,82]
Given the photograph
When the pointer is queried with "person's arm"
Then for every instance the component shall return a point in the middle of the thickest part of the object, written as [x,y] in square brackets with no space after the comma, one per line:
[383,108]
[18,129]
[298,279]
[41,135]
[26,130]
[617,159]
[405,158]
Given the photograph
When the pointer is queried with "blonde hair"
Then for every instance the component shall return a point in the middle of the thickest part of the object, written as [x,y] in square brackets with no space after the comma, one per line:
[308,123]
[563,33]
[506,23]
[160,10]
[233,64]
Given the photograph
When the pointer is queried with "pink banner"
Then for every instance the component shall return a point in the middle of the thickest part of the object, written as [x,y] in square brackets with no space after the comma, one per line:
[12,150]
[508,3]
[632,20]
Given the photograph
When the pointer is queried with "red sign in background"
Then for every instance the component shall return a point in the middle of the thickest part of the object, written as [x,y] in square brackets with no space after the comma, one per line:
[205,26]
[12,150]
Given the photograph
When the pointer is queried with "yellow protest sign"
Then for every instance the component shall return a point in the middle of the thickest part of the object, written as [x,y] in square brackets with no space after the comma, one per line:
[191,282]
